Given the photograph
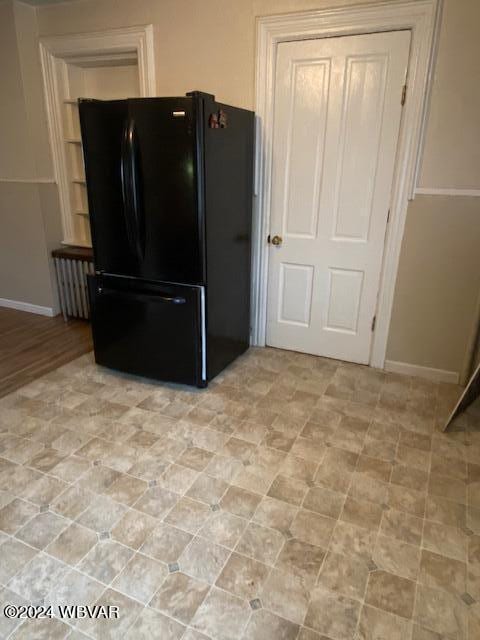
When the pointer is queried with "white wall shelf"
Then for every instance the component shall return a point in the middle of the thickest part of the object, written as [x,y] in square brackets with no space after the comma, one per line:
[112,64]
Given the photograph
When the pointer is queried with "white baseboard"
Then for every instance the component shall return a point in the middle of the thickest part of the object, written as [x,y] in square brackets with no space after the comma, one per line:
[434,191]
[438,375]
[26,306]
[29,180]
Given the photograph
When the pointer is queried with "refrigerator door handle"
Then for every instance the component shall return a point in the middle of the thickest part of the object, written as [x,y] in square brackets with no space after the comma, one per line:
[132,206]
[131,295]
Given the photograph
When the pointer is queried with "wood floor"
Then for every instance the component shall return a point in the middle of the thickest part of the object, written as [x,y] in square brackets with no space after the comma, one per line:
[31,345]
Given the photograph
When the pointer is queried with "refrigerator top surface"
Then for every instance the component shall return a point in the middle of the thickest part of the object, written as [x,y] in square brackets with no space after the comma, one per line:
[191,95]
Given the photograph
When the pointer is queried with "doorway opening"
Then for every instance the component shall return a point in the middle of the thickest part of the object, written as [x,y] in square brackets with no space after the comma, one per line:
[109,65]
[421,20]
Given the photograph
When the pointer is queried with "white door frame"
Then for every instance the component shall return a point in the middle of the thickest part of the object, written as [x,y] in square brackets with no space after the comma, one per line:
[422,17]
[55,51]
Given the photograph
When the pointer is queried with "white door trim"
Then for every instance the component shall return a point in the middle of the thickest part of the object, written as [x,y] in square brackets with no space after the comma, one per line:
[421,17]
[55,51]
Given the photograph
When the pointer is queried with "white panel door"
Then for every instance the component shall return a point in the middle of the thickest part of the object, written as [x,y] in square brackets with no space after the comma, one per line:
[336,124]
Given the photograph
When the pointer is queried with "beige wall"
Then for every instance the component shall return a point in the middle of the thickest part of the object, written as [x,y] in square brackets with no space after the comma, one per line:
[24,266]
[25,270]
[210,45]
[452,143]
[16,158]
[438,282]
[28,54]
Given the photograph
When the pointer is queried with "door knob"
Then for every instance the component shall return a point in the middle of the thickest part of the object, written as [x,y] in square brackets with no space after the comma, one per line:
[277,240]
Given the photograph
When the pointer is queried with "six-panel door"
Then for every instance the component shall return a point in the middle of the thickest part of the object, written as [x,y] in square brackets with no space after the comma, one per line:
[337,119]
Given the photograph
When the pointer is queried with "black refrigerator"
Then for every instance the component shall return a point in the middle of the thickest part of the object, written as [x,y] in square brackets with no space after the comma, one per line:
[169,183]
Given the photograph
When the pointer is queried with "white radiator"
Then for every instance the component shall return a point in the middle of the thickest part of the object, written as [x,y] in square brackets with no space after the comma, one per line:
[71,272]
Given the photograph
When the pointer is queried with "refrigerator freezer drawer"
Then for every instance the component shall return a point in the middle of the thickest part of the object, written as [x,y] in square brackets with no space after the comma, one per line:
[149,329]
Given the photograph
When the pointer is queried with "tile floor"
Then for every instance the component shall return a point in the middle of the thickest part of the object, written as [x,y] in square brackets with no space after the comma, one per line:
[296,498]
